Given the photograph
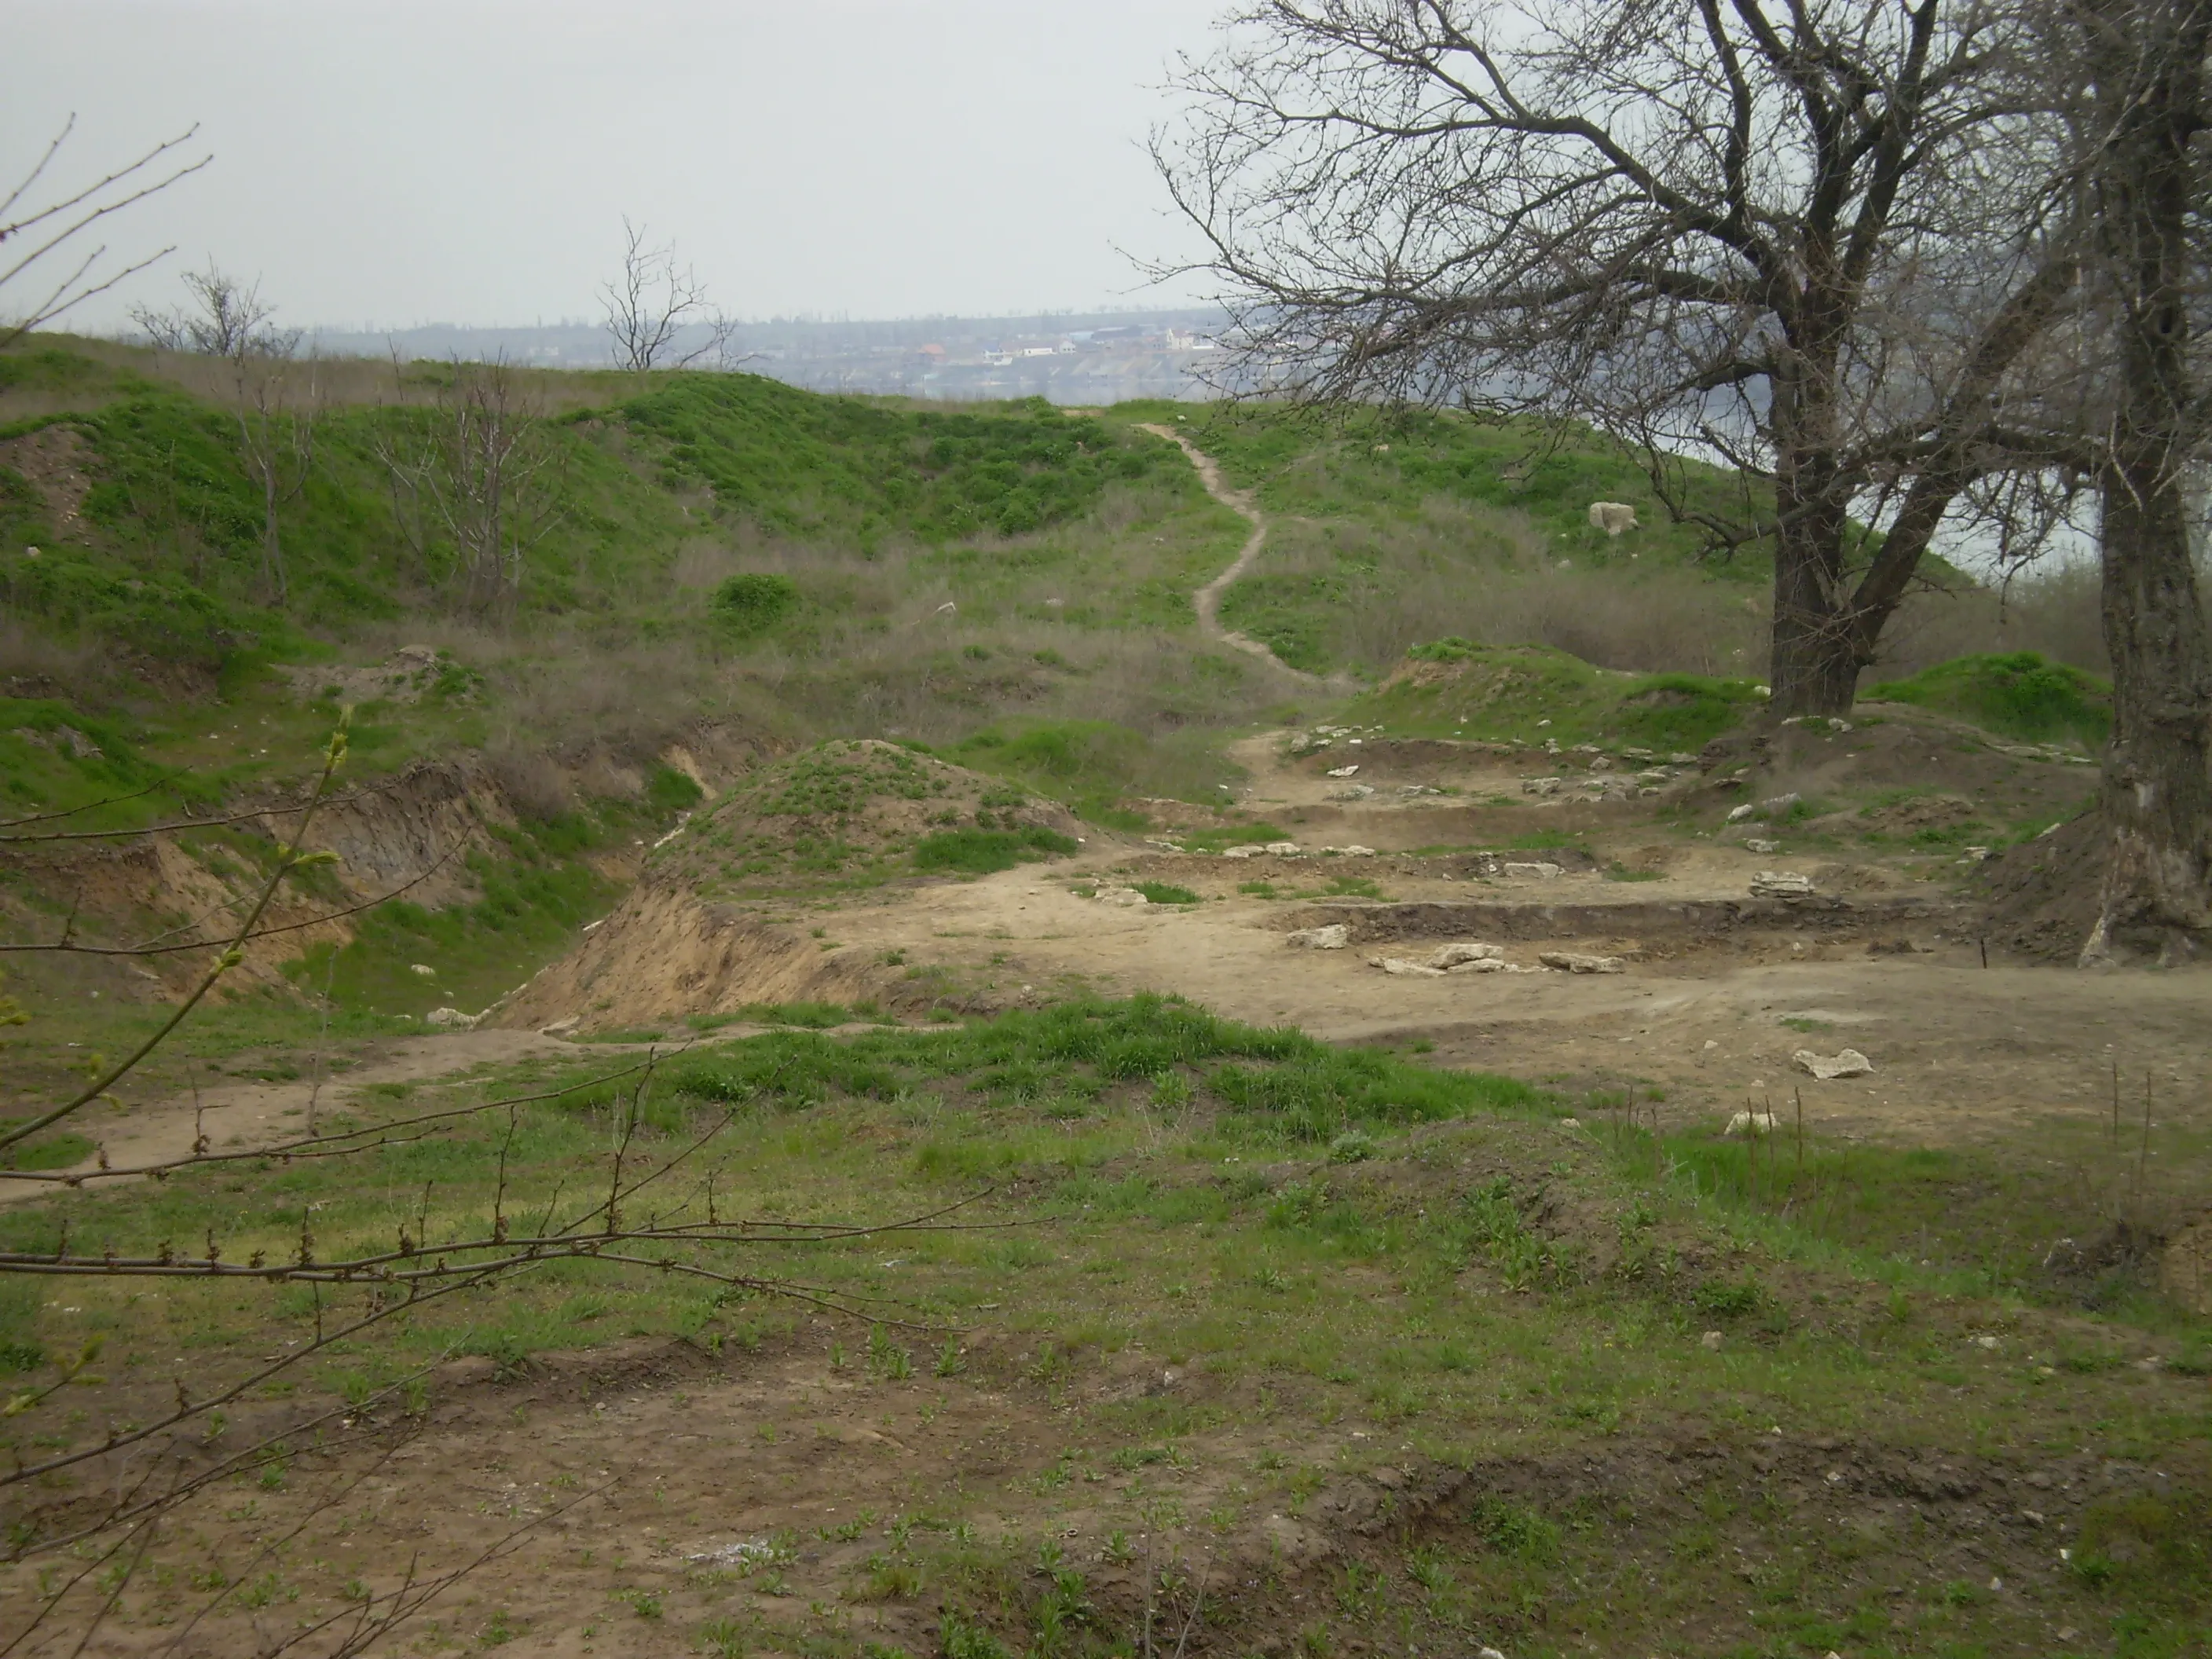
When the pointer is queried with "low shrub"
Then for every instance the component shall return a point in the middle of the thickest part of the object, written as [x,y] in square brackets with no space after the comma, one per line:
[754,601]
[983,852]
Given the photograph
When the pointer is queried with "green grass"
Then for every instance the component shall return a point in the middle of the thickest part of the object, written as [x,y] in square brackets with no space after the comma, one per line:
[1360,1264]
[56,759]
[1163,892]
[808,464]
[1329,466]
[1501,692]
[981,852]
[2018,694]
[1095,766]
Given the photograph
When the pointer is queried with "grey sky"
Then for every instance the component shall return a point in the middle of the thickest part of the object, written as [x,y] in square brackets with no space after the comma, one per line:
[387,161]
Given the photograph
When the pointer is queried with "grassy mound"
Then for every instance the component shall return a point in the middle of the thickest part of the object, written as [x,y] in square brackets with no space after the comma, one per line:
[804,463]
[1094,766]
[164,555]
[857,814]
[1527,693]
[2017,693]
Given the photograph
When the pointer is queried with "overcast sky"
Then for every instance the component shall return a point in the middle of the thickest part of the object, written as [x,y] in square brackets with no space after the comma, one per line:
[386,162]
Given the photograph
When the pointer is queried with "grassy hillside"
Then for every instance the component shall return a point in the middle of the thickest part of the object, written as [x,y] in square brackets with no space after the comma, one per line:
[1389,529]
[1525,693]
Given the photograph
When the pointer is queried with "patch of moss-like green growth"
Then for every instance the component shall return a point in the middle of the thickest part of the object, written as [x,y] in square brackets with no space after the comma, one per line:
[983,852]
[1526,693]
[2017,693]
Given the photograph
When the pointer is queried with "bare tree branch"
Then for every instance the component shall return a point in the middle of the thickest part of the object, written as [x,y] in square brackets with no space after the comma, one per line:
[38,232]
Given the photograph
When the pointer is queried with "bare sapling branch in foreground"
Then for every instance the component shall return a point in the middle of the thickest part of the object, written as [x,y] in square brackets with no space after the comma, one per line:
[654,302]
[657,1206]
[1782,239]
[49,262]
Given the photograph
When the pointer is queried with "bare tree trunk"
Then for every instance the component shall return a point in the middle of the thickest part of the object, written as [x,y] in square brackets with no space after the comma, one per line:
[2147,61]
[1816,658]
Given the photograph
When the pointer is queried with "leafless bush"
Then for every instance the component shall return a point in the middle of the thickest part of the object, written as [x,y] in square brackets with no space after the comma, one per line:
[474,478]
[2053,611]
[221,317]
[533,785]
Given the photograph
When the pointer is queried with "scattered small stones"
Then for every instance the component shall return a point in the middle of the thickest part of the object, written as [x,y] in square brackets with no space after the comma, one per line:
[1579,962]
[1127,897]
[1848,1063]
[1542,786]
[1356,791]
[1780,884]
[1334,937]
[1538,872]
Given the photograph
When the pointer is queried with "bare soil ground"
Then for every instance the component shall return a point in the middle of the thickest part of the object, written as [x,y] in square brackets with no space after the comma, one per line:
[798,1500]
[1720,988]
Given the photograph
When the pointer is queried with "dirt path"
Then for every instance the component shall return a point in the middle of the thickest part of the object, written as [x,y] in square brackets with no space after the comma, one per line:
[1207,599]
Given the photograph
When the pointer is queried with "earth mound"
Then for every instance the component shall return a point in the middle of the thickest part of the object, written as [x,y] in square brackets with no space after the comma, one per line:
[2043,895]
[696,934]
[858,814]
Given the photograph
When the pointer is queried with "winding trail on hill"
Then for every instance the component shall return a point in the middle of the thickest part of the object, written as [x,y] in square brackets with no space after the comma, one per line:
[1207,599]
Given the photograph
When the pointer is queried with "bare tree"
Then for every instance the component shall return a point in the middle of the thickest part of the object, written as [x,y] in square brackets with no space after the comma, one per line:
[1771,235]
[654,302]
[275,397]
[279,406]
[477,473]
[47,269]
[2144,176]
[221,317]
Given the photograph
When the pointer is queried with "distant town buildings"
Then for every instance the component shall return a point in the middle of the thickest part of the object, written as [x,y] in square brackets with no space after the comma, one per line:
[1068,359]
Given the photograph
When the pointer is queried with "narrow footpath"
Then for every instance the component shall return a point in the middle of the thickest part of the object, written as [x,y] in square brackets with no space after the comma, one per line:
[1208,598]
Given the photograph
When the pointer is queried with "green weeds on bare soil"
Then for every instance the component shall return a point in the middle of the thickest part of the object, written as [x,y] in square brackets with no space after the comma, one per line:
[1338,1240]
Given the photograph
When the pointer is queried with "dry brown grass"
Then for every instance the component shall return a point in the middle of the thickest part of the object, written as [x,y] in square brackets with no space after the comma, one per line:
[35,664]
